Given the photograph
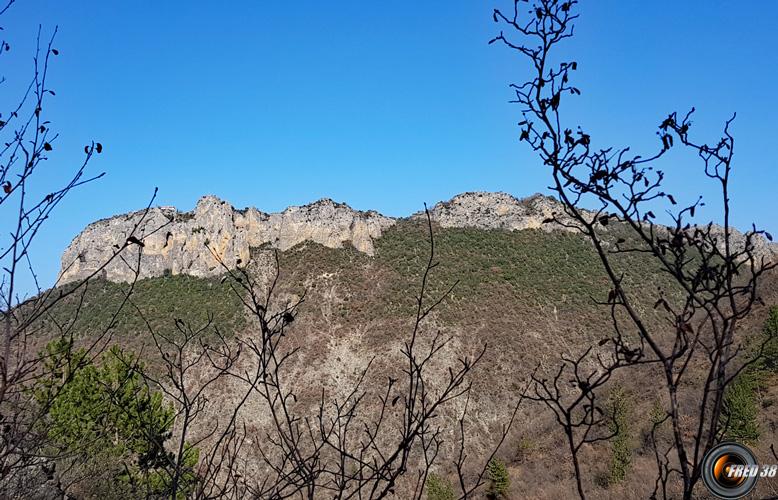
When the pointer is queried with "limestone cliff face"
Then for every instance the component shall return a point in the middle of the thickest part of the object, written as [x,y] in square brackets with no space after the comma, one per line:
[195,242]
[198,242]
[496,211]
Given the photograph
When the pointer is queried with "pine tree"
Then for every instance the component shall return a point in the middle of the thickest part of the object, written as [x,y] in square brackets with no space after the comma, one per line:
[105,411]
[499,479]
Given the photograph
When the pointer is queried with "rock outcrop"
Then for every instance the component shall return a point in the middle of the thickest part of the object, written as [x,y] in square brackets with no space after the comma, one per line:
[215,235]
[496,211]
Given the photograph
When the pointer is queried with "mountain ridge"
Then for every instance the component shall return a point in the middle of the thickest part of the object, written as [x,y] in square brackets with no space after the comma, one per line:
[215,235]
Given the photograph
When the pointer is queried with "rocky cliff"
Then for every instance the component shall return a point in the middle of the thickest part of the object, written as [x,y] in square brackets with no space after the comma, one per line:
[215,234]
[495,211]
[196,242]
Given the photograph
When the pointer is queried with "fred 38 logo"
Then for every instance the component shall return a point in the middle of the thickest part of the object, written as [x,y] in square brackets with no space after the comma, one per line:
[730,470]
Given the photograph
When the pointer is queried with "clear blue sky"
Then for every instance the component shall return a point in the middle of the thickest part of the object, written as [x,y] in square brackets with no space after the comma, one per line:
[383,105]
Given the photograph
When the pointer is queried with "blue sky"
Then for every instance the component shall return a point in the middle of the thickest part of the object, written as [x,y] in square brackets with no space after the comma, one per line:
[380,105]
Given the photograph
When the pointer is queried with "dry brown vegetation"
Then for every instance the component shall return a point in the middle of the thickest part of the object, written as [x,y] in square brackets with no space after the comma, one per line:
[528,295]
[325,372]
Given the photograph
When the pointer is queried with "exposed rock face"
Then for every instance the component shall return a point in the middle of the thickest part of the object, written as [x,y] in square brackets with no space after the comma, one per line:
[496,211]
[214,234]
[195,242]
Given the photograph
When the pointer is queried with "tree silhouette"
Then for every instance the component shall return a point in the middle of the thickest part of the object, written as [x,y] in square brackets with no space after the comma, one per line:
[714,270]
[27,144]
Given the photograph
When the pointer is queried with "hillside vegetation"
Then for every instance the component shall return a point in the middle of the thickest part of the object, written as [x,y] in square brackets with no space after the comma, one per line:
[528,294]
[160,300]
